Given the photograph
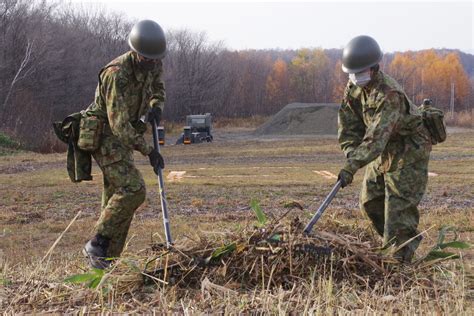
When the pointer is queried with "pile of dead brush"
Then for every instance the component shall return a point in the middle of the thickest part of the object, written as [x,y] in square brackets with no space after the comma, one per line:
[272,256]
[264,257]
[278,255]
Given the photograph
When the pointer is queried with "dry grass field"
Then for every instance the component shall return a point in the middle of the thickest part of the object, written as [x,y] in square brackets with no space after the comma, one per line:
[45,220]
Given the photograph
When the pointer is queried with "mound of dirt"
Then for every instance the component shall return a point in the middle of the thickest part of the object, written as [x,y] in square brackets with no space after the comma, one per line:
[302,119]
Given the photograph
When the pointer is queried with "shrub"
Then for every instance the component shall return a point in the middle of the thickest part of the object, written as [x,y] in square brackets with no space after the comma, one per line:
[461,119]
[7,141]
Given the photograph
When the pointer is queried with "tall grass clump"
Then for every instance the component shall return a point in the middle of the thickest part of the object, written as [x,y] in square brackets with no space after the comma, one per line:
[460,119]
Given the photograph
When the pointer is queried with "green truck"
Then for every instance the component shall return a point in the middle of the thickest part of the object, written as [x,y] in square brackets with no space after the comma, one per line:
[197,130]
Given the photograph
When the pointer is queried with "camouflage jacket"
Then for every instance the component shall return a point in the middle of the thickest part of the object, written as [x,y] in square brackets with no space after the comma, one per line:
[124,95]
[379,123]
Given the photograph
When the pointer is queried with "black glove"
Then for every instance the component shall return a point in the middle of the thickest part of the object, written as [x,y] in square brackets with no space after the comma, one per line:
[345,177]
[156,160]
[154,114]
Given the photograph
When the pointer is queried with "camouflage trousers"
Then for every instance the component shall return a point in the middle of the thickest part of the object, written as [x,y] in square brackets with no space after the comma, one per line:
[123,192]
[391,200]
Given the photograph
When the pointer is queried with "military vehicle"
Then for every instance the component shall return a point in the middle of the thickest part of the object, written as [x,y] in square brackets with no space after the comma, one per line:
[197,130]
[161,135]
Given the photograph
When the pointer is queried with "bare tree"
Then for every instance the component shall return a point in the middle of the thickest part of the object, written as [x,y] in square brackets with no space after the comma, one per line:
[192,73]
[51,53]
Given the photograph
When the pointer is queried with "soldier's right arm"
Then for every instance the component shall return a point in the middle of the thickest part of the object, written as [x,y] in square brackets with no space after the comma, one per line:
[113,88]
[351,127]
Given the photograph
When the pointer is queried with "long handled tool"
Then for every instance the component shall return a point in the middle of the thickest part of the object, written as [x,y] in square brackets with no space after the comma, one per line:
[323,207]
[161,187]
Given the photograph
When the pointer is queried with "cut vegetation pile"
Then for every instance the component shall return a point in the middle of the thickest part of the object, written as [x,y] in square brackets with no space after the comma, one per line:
[267,258]
[302,119]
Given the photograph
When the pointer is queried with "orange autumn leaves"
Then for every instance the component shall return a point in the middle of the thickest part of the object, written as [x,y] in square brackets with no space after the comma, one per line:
[278,83]
[311,76]
[307,78]
[428,74]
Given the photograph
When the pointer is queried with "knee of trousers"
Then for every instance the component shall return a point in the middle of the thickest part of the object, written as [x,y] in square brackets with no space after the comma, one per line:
[126,200]
[372,194]
[372,202]
[133,199]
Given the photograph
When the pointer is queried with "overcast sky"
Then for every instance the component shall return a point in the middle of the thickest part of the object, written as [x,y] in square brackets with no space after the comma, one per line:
[396,25]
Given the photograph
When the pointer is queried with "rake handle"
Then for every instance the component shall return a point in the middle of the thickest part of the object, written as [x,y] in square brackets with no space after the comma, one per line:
[161,189]
[323,207]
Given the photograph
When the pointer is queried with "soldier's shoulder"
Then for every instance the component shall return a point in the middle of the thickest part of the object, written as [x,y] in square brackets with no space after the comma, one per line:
[387,84]
[111,70]
[114,74]
[118,66]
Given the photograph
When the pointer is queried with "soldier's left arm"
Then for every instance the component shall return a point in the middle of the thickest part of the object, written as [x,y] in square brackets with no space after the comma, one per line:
[351,128]
[388,112]
[158,94]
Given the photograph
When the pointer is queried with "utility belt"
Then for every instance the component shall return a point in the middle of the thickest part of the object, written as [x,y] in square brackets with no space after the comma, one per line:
[93,128]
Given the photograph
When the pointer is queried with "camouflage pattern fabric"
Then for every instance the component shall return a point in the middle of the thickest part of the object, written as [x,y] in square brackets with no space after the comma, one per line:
[79,162]
[124,191]
[390,201]
[379,127]
[90,131]
[124,95]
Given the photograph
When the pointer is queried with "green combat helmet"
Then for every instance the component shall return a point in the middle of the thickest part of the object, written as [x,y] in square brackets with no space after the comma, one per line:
[361,53]
[148,39]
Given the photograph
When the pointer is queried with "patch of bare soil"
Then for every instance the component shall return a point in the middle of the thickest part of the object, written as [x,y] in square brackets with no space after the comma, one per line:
[26,166]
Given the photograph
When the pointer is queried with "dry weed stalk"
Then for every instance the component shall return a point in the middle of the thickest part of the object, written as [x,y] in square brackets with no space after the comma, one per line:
[271,268]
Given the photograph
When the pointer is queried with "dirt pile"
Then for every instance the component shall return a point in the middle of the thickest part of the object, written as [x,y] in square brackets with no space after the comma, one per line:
[302,119]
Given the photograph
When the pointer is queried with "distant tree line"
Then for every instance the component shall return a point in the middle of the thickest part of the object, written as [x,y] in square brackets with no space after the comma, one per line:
[50,55]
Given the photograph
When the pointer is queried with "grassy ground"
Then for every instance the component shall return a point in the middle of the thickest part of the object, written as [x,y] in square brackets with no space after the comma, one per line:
[38,201]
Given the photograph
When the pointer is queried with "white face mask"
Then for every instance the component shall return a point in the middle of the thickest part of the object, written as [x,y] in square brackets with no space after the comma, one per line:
[360,79]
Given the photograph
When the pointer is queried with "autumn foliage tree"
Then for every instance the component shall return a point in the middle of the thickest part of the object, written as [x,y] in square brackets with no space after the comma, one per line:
[339,81]
[310,75]
[278,85]
[50,55]
[428,74]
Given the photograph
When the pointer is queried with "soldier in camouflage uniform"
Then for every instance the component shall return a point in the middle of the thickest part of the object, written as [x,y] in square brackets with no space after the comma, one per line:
[129,87]
[381,129]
